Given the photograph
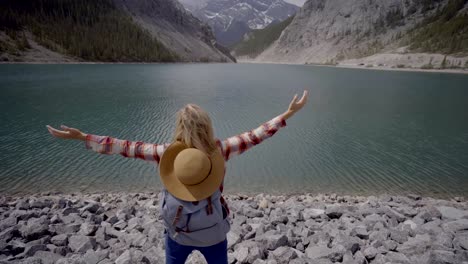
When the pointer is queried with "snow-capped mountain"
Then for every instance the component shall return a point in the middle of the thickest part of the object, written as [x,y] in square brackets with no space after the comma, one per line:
[231,19]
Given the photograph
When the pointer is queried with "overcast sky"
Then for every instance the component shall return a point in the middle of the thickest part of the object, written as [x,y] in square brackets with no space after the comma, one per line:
[296,2]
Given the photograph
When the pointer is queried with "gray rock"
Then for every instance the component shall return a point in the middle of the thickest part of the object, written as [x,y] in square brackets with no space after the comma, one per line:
[251,213]
[334,212]
[9,233]
[22,205]
[134,223]
[411,224]
[232,239]
[360,258]
[415,197]
[284,254]
[372,219]
[64,228]
[311,213]
[35,228]
[461,240]
[91,207]
[443,240]
[350,243]
[370,253]
[395,257]
[441,257]
[135,239]
[60,240]
[392,213]
[7,222]
[399,236]
[454,226]
[416,245]
[120,225]
[452,213]
[47,257]
[196,257]
[94,257]
[88,229]
[361,232]
[407,211]
[381,235]
[241,254]
[111,232]
[30,250]
[63,251]
[320,252]
[81,244]
[31,260]
[390,245]
[70,210]
[275,241]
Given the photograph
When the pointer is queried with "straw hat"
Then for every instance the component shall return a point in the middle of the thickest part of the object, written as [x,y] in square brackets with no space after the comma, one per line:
[190,174]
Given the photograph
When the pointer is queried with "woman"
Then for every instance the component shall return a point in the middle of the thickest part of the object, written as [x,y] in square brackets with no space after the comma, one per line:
[192,171]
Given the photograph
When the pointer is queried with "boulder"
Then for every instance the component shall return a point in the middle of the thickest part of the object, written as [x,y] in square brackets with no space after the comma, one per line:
[415,246]
[60,240]
[311,213]
[441,257]
[275,241]
[334,254]
[81,244]
[47,257]
[452,213]
[284,254]
[35,228]
[370,253]
[334,212]
[455,226]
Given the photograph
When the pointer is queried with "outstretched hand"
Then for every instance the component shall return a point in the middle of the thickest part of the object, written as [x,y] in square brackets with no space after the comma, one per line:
[66,133]
[296,105]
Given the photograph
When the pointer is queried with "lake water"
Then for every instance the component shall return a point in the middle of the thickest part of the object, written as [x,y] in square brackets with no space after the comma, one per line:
[363,131]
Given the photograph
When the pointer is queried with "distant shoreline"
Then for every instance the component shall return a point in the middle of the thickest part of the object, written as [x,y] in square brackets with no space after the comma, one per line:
[377,68]
[345,66]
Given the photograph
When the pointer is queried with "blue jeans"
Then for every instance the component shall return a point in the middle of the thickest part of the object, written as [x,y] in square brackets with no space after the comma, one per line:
[177,254]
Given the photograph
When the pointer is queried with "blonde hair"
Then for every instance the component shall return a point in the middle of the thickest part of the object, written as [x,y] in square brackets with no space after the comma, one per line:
[194,128]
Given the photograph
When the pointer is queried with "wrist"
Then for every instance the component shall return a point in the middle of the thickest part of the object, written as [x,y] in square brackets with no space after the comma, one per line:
[288,114]
[82,136]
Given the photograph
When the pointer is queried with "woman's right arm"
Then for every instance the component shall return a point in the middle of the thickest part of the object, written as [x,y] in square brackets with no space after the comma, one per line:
[237,145]
[109,145]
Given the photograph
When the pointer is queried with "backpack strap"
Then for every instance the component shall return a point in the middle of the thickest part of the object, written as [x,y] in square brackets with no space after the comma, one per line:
[177,216]
[209,207]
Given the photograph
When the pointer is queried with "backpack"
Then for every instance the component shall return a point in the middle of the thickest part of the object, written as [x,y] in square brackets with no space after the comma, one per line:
[202,223]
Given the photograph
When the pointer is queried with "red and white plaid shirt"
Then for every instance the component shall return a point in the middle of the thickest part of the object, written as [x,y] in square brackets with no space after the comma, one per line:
[229,147]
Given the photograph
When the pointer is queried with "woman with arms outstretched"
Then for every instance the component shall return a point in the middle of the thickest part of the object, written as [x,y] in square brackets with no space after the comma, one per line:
[192,170]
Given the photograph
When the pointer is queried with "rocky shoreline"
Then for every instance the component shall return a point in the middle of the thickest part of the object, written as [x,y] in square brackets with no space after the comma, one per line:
[126,228]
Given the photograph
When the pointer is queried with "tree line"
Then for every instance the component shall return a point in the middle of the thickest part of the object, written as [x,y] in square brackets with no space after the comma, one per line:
[94,30]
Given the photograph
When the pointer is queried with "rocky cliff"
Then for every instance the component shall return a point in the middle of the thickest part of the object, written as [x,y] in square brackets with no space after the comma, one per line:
[177,29]
[358,31]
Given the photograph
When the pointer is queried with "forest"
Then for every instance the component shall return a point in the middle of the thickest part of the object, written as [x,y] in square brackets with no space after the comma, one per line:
[91,30]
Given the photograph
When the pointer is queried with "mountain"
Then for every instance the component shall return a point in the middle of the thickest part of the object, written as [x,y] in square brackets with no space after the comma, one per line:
[231,19]
[256,41]
[374,32]
[104,30]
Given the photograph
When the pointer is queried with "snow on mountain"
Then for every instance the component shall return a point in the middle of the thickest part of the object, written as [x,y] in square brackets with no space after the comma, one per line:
[231,19]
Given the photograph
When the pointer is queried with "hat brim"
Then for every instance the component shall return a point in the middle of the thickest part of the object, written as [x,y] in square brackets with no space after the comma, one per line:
[184,192]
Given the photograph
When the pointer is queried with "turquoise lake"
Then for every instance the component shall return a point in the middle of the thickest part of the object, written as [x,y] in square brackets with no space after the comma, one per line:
[363,131]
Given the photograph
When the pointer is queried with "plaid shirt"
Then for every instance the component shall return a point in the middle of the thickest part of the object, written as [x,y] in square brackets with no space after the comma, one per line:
[229,147]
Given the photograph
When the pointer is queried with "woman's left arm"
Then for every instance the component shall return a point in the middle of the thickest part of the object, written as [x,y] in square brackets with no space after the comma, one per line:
[109,145]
